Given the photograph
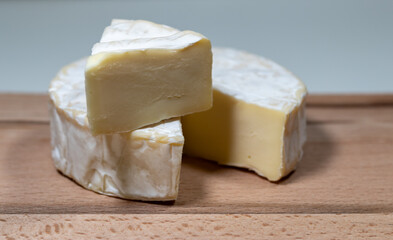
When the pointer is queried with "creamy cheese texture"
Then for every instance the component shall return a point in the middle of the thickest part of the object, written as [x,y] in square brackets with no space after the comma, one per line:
[141,73]
[142,165]
[258,117]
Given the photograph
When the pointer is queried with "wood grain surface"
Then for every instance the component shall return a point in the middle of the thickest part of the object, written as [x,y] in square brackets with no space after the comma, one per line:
[347,169]
[198,226]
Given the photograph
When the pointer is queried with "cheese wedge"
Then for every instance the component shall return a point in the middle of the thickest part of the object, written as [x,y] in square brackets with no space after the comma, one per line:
[141,73]
[257,120]
[141,165]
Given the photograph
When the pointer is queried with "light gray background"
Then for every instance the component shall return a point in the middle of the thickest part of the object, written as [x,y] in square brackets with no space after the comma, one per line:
[340,46]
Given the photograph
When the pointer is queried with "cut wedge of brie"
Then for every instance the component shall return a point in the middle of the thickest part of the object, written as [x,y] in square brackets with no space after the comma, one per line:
[257,120]
[141,165]
[141,73]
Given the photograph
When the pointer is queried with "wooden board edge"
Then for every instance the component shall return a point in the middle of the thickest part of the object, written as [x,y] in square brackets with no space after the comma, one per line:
[197,226]
[349,100]
[32,99]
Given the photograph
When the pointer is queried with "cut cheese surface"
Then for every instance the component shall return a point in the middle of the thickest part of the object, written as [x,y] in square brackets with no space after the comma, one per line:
[142,165]
[257,120]
[141,73]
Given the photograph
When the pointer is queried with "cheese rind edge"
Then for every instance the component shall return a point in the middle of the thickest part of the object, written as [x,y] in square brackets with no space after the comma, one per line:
[141,165]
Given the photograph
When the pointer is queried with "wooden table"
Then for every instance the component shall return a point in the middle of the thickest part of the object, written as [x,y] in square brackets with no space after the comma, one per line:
[342,189]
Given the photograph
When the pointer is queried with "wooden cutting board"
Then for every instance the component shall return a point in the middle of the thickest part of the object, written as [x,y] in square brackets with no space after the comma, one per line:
[343,188]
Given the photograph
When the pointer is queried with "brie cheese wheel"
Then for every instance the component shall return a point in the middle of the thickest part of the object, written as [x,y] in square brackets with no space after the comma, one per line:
[257,120]
[142,165]
[141,73]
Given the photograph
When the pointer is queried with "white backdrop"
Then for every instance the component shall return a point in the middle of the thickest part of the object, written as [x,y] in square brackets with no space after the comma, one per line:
[343,46]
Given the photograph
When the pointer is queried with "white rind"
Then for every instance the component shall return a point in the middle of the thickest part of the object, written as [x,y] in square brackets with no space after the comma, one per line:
[132,35]
[141,165]
[135,29]
[256,80]
[295,136]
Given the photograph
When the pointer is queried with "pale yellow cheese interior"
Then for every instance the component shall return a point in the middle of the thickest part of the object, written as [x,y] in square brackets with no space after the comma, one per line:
[129,90]
[239,134]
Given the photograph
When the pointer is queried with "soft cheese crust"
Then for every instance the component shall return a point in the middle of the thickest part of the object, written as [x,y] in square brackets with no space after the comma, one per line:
[128,35]
[135,29]
[256,80]
[141,165]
